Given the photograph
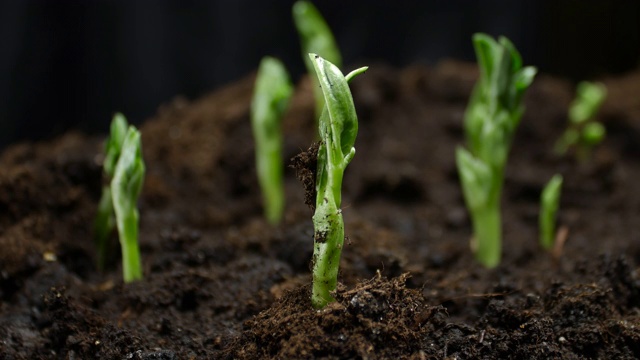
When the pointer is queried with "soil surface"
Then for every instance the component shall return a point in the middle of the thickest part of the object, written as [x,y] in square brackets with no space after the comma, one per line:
[221,283]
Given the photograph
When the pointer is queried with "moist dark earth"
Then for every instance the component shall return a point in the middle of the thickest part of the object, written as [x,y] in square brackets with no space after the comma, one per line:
[221,283]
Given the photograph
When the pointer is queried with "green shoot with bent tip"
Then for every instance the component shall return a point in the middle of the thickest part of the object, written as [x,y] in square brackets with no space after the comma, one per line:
[125,188]
[315,37]
[271,96]
[549,202]
[338,129]
[583,132]
[491,118]
[105,218]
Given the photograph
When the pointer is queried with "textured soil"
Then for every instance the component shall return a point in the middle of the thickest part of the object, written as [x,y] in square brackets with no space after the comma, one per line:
[222,283]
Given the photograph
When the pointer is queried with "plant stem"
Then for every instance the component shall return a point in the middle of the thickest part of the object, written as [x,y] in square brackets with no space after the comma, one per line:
[128,232]
[487,241]
[272,191]
[328,228]
[549,202]
[328,242]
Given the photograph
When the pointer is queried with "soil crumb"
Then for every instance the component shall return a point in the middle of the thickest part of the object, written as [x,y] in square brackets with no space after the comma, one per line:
[306,164]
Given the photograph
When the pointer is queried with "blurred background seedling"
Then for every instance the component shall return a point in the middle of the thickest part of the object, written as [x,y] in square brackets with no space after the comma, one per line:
[271,95]
[584,132]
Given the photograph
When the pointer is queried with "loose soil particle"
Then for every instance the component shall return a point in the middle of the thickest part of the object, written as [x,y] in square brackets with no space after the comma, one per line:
[222,283]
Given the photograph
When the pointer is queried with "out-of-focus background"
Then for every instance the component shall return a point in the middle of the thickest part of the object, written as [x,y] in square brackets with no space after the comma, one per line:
[71,64]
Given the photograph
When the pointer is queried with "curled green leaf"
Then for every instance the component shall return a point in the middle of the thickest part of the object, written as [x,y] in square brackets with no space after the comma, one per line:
[475,177]
[593,133]
[589,98]
[113,145]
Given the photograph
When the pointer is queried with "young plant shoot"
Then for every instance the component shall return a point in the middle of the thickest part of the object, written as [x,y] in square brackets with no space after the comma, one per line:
[491,118]
[549,201]
[338,129]
[315,37]
[271,96]
[125,189]
[583,132]
[105,220]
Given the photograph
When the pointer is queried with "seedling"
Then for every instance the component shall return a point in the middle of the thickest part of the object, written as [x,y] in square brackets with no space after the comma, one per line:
[492,116]
[105,218]
[271,96]
[338,127]
[315,37]
[123,170]
[583,132]
[549,201]
[125,188]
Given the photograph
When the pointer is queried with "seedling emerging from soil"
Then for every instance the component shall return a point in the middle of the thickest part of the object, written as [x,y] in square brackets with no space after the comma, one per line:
[315,37]
[583,132]
[125,187]
[271,96]
[493,114]
[338,129]
[105,218]
[549,201]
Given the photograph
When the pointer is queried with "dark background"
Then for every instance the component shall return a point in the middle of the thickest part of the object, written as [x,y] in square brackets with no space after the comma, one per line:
[71,64]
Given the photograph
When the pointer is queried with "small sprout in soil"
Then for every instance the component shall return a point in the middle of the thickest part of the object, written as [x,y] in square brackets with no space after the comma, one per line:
[271,96]
[125,188]
[583,132]
[338,129]
[549,201]
[315,37]
[491,118]
[105,218]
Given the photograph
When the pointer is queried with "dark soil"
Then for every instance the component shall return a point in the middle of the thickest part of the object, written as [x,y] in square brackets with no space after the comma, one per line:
[221,283]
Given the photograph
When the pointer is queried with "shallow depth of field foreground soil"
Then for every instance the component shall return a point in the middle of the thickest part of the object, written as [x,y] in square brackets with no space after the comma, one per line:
[221,283]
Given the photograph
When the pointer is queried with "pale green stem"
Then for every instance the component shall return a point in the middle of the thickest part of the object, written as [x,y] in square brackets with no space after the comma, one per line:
[487,241]
[270,178]
[487,225]
[128,232]
[328,230]
[328,242]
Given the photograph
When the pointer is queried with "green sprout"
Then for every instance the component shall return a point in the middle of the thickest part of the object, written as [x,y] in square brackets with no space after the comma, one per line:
[549,201]
[491,118]
[105,218]
[123,170]
[338,127]
[583,132]
[125,188]
[315,37]
[271,96]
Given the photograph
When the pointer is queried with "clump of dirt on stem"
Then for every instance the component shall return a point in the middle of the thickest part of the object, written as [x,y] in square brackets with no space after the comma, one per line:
[305,164]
